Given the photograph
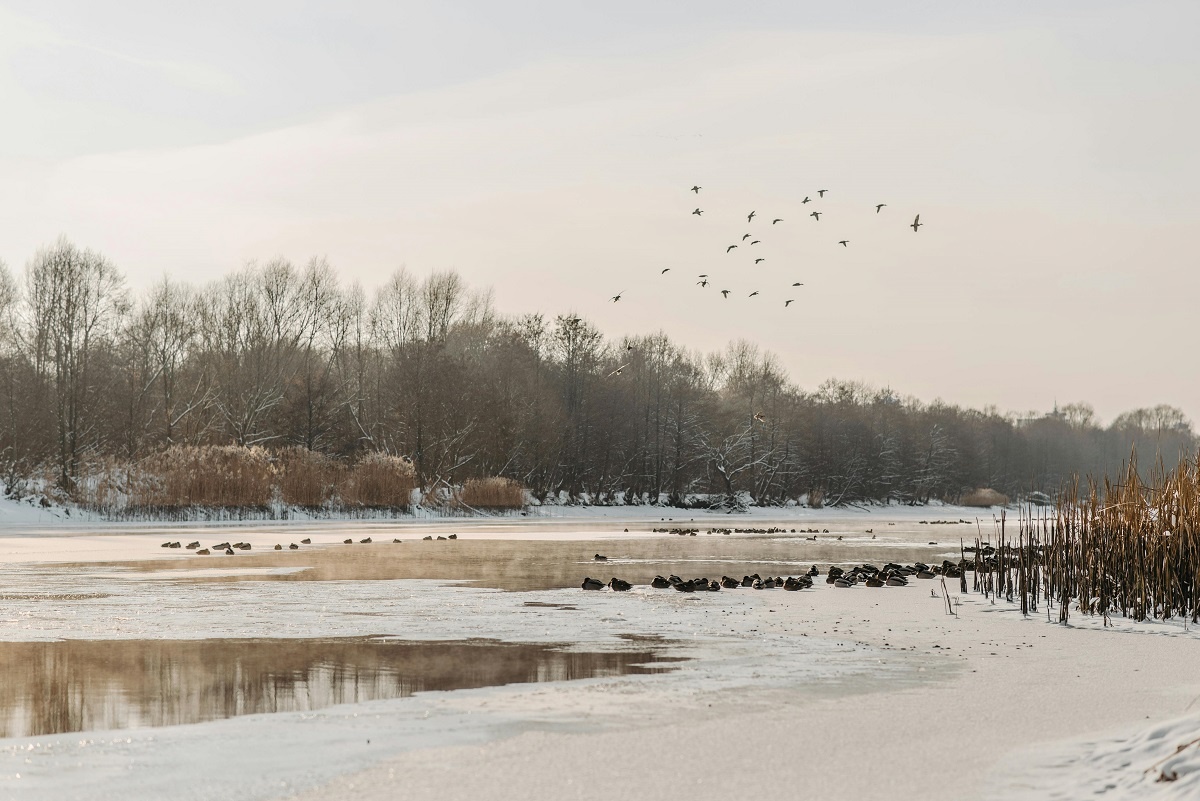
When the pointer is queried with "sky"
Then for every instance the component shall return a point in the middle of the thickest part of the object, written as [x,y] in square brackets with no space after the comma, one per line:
[546,149]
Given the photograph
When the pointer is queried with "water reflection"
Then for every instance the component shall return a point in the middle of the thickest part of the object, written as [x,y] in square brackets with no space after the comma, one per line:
[87,685]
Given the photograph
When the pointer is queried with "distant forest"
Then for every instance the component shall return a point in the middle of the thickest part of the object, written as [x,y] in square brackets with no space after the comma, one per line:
[287,358]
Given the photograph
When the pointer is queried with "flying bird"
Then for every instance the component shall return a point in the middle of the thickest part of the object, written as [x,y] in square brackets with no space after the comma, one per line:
[665,270]
[745,237]
[756,261]
[879,206]
[787,303]
[702,283]
[725,292]
[821,192]
[750,216]
[843,242]
[618,296]
[916,223]
[758,417]
[618,371]
[777,219]
[755,242]
[797,284]
[816,214]
[807,199]
[697,189]
[752,294]
[698,212]
[702,275]
[731,247]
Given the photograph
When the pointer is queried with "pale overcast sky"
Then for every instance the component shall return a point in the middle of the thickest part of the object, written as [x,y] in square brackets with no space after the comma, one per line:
[546,148]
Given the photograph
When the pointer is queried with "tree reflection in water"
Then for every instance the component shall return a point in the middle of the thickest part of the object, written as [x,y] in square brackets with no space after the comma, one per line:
[87,685]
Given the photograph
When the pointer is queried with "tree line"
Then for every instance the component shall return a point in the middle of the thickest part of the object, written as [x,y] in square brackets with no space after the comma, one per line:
[284,356]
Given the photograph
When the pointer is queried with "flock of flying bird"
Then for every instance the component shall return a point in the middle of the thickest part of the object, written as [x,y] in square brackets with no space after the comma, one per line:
[816,215]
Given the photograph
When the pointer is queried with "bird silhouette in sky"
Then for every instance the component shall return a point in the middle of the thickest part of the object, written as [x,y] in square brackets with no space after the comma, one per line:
[752,294]
[725,292]
[665,270]
[776,220]
[617,296]
[816,214]
[821,192]
[702,275]
[750,216]
[756,261]
[745,237]
[787,303]
[698,212]
[797,284]
[758,417]
[731,247]
[755,242]
[807,199]
[916,223]
[697,189]
[702,283]
[843,243]
[618,371]
[879,206]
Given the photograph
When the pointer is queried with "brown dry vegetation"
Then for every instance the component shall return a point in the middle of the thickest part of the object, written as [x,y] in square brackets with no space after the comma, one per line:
[491,493]
[308,478]
[984,496]
[380,481]
[1123,547]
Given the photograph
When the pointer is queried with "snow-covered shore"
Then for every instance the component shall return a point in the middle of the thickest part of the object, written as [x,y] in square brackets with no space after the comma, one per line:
[870,693]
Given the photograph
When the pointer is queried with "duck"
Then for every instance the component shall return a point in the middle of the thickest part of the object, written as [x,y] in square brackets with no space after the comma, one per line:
[685,586]
[440,537]
[925,574]
[590,583]
[293,547]
[193,546]
[351,542]
[452,537]
[713,586]
[203,552]
[617,585]
[600,558]
[730,583]
[229,552]
[426,537]
[660,583]
[897,581]
[396,541]
[875,581]
[306,541]
[843,582]
[278,547]
[365,541]
[814,571]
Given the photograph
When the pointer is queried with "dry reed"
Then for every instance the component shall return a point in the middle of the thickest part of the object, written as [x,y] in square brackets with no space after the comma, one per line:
[308,479]
[491,493]
[379,481]
[984,496]
[1121,547]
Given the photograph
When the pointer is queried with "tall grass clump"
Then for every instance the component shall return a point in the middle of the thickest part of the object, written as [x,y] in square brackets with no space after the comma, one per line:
[984,496]
[379,481]
[491,493]
[308,479]
[214,476]
[1116,547]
